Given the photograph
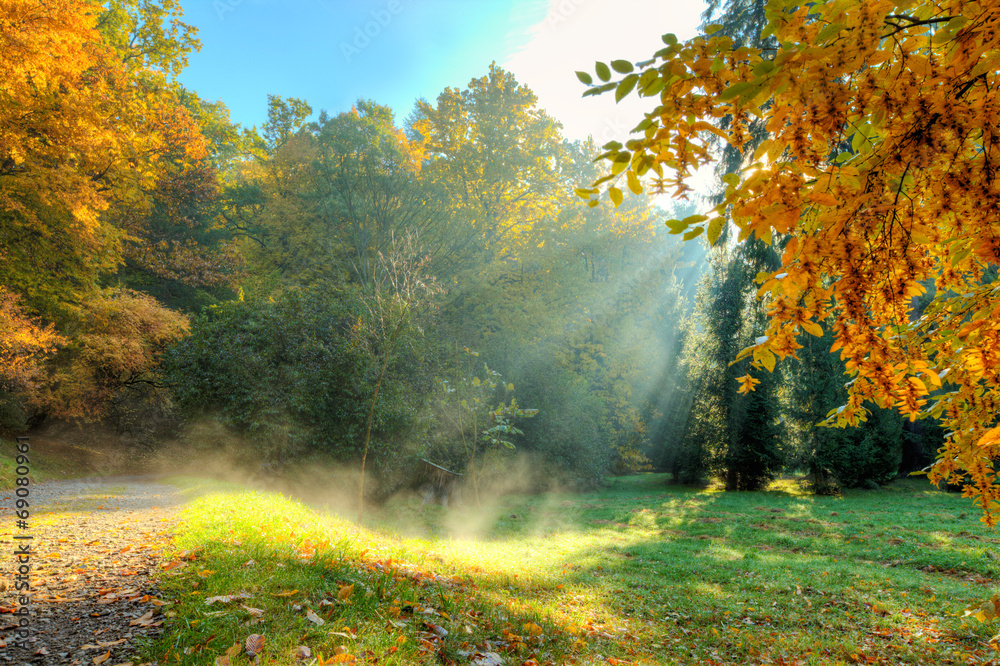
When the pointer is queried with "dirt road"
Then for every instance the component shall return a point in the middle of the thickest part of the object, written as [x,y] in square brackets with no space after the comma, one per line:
[95,544]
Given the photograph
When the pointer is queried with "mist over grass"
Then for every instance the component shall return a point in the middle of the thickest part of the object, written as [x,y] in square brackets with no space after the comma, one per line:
[640,571]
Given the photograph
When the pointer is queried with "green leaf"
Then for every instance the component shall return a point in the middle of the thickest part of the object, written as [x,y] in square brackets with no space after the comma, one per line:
[695,219]
[731,179]
[694,233]
[712,29]
[585,78]
[734,90]
[676,226]
[653,88]
[622,66]
[602,71]
[669,39]
[625,86]
[827,32]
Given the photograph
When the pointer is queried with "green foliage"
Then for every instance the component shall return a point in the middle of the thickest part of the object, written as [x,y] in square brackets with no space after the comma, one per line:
[735,437]
[855,457]
[566,442]
[288,375]
[472,417]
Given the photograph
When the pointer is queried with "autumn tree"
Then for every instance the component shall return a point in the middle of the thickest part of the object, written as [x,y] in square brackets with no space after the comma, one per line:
[494,154]
[90,125]
[881,168]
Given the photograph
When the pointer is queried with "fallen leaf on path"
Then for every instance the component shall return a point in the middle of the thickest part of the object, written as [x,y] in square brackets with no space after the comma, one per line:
[103,658]
[143,621]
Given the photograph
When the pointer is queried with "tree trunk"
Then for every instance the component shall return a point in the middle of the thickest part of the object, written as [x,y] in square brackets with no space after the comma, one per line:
[368,435]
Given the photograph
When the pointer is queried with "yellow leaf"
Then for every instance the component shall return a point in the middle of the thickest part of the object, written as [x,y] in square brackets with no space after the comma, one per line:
[823,198]
[616,196]
[812,328]
[633,182]
[715,230]
[345,592]
[767,358]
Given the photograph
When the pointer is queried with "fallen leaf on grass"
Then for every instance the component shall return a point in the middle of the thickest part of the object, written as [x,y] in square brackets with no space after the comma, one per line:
[345,592]
[286,593]
[315,619]
[488,659]
[256,612]
[254,644]
[225,598]
[437,629]
[302,652]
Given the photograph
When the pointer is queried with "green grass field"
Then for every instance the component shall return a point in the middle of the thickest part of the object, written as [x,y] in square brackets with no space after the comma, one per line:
[639,573]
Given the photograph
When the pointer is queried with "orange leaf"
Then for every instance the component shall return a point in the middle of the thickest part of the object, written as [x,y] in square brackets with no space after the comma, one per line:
[345,592]
[103,658]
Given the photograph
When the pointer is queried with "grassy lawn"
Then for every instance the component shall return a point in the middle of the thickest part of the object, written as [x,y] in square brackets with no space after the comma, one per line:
[639,573]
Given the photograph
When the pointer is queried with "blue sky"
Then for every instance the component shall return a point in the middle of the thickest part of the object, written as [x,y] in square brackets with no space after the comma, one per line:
[333,52]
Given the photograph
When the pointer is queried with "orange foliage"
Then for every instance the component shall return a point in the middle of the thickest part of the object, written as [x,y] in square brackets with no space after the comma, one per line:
[89,121]
[120,338]
[24,344]
[880,175]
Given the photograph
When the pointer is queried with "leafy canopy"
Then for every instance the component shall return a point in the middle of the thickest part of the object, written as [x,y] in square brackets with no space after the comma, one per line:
[880,178]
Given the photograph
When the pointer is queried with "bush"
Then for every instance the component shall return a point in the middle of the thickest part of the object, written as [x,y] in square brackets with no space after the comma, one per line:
[286,375]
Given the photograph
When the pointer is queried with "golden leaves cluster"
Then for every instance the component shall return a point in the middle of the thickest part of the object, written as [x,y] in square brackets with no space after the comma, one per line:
[880,178]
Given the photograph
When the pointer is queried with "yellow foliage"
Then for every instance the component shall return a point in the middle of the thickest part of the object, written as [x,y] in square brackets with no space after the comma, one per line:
[882,172]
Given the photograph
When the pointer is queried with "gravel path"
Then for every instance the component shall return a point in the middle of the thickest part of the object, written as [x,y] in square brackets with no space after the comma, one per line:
[95,545]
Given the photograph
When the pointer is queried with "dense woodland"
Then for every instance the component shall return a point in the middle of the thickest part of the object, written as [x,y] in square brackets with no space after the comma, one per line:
[353,286]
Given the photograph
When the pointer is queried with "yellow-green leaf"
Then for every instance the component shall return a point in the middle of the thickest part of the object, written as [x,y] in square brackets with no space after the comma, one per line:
[616,196]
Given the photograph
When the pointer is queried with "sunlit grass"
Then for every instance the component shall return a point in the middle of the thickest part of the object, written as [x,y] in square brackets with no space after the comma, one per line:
[641,572]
